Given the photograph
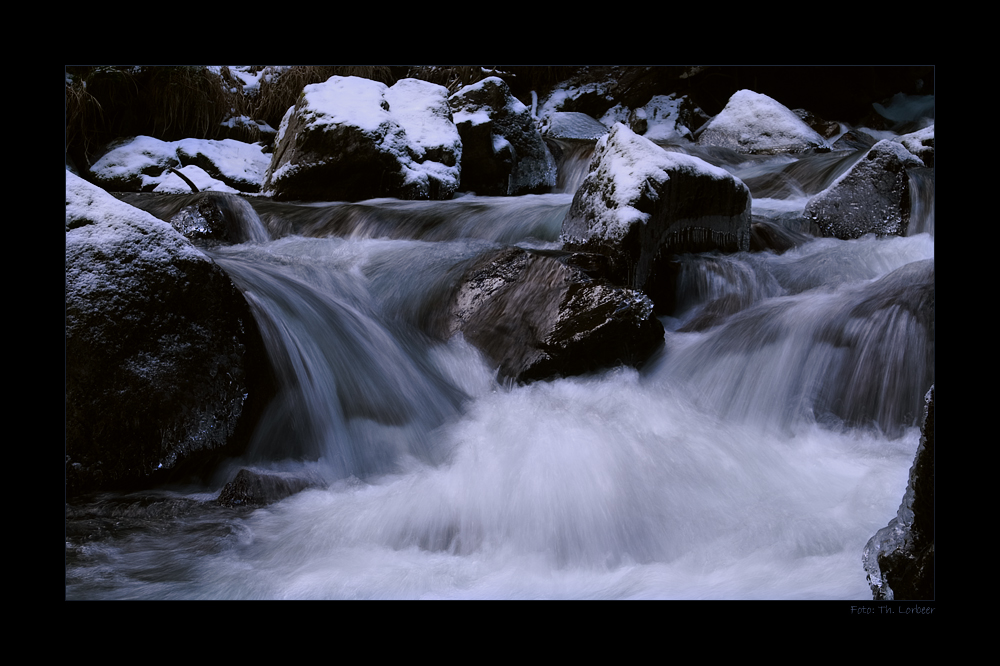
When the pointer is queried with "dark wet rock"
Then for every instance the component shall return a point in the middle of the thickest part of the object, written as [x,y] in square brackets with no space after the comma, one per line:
[161,347]
[854,139]
[872,197]
[206,218]
[219,218]
[640,204]
[255,488]
[825,128]
[541,315]
[502,150]
[899,558]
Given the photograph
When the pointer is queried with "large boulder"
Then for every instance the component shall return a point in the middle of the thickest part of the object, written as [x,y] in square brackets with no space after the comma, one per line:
[349,139]
[502,150]
[640,204]
[872,197]
[899,558]
[539,315]
[160,346]
[756,124]
[146,164]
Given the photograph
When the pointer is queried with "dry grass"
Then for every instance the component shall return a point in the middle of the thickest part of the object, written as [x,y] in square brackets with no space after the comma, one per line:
[186,102]
[83,116]
[169,103]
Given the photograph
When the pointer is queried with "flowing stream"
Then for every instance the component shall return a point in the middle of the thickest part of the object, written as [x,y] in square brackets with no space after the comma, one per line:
[752,459]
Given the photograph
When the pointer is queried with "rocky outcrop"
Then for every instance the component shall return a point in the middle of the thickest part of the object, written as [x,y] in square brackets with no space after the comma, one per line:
[640,204]
[899,559]
[349,139]
[252,488]
[539,315]
[502,150]
[756,124]
[872,197]
[160,346]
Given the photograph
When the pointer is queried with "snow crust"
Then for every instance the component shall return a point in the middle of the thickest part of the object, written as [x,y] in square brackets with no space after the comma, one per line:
[915,141]
[108,240]
[146,159]
[753,122]
[408,119]
[663,118]
[346,100]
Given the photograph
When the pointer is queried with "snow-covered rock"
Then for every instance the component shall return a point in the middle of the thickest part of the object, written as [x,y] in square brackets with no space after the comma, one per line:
[639,204]
[142,163]
[572,126]
[239,165]
[872,197]
[502,150]
[921,144]
[349,139]
[157,342]
[667,118]
[756,124]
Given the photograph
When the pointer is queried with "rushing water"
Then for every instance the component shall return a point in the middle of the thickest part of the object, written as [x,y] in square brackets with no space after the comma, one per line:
[751,459]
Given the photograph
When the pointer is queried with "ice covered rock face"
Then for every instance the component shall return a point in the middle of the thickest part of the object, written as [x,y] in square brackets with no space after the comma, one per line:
[502,150]
[756,124]
[157,344]
[349,139]
[873,197]
[641,204]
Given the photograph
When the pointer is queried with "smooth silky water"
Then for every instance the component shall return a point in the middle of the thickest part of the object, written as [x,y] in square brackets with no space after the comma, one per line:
[722,470]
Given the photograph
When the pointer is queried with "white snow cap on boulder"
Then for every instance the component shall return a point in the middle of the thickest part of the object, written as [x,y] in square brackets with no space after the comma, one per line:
[355,131]
[755,123]
[624,167]
[141,164]
[640,203]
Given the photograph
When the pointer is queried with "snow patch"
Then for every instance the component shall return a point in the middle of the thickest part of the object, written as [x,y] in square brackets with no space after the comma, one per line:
[146,160]
[107,238]
[752,122]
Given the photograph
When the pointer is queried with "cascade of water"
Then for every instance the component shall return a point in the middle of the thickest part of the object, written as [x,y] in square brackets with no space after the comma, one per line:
[358,389]
[753,459]
[921,202]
